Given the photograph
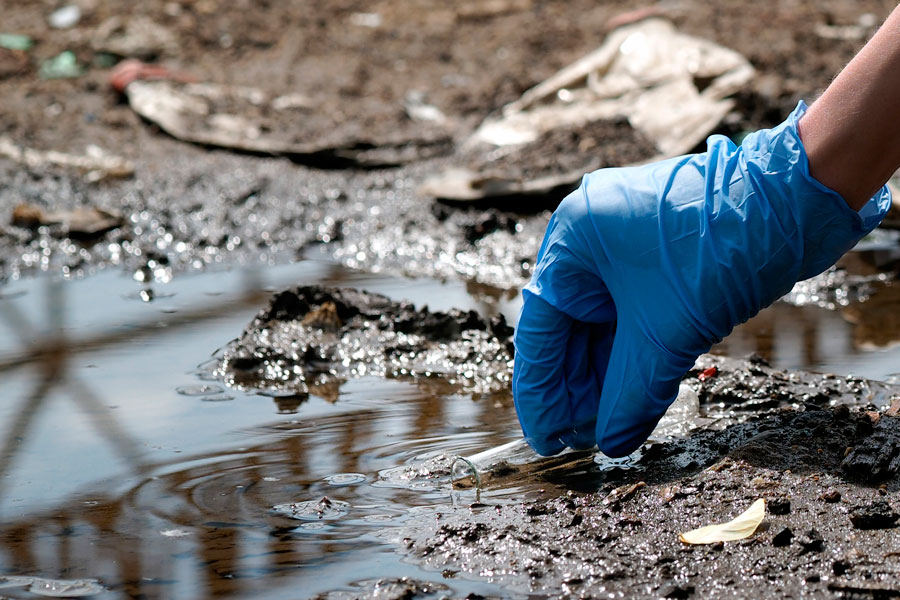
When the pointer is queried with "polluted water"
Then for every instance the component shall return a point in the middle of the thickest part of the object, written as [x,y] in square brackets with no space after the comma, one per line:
[131,469]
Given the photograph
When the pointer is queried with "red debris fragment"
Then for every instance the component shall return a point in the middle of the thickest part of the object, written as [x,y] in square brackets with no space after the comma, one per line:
[129,70]
[708,373]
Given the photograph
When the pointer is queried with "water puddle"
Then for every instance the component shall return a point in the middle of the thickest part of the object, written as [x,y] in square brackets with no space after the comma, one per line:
[125,464]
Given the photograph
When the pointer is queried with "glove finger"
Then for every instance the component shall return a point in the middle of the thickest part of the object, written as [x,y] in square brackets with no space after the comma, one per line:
[587,359]
[539,375]
[582,390]
[641,383]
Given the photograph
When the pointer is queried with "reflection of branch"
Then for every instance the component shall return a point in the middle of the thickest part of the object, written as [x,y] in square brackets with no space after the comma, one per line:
[16,320]
[21,425]
[174,320]
[105,423]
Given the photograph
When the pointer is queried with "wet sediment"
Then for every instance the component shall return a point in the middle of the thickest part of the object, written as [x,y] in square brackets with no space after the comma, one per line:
[826,463]
[311,339]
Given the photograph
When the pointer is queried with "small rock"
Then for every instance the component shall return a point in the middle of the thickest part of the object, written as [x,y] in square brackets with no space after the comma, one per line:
[677,591]
[783,537]
[840,567]
[831,496]
[325,318]
[811,541]
[779,506]
[876,515]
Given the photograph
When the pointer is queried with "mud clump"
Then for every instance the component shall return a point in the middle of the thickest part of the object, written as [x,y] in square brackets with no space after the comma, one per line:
[875,515]
[313,338]
[402,588]
[727,387]
[877,457]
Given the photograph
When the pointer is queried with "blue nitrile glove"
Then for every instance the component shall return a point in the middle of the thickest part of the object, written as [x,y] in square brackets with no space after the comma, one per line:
[642,269]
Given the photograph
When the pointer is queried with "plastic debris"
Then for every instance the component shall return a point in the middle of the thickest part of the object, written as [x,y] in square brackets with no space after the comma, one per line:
[65,17]
[61,66]
[250,120]
[133,70]
[15,41]
[85,221]
[673,89]
[55,588]
[137,37]
[864,26]
[96,163]
[737,529]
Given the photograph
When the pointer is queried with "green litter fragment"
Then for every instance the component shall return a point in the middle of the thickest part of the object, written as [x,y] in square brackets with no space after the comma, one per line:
[61,66]
[15,41]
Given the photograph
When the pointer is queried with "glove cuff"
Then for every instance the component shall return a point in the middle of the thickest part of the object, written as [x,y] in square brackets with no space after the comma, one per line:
[825,222]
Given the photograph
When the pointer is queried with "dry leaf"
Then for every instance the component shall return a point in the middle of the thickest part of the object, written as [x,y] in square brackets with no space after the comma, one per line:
[741,527]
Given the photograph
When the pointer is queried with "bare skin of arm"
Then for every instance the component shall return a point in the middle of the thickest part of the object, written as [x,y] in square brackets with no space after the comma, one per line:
[852,132]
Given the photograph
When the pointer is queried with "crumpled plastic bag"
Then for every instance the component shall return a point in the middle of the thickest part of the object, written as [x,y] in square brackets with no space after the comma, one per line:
[672,87]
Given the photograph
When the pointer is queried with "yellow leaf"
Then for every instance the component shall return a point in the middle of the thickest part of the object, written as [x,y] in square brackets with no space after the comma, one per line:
[741,527]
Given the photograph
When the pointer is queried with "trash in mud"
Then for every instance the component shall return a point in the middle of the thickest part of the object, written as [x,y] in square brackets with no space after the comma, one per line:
[133,69]
[95,163]
[671,87]
[251,120]
[81,222]
[739,528]
[15,41]
[310,337]
[134,37]
[56,588]
[623,494]
[62,66]
[513,461]
[65,17]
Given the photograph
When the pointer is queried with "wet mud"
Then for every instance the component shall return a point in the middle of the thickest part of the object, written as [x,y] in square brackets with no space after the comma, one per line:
[190,208]
[312,339]
[827,470]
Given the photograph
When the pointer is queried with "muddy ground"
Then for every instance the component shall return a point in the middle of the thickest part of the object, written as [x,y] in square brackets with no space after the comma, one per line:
[830,473]
[359,63]
[828,470]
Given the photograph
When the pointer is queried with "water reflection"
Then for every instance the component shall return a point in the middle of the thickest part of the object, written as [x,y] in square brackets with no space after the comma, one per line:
[195,522]
[854,339]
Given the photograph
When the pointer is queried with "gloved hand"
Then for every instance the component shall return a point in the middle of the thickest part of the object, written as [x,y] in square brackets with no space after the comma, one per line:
[642,269]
